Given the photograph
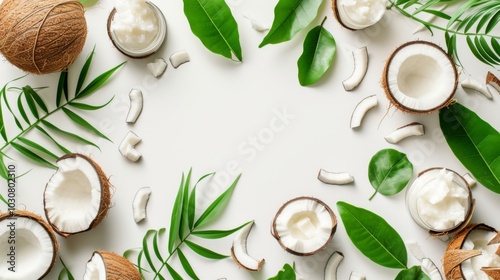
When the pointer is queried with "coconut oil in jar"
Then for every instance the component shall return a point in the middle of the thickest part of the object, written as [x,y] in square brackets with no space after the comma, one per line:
[439,200]
[137,28]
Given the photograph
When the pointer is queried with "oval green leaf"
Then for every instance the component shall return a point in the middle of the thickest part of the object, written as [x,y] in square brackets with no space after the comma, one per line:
[413,273]
[290,17]
[286,273]
[474,142]
[389,172]
[213,23]
[317,55]
[373,236]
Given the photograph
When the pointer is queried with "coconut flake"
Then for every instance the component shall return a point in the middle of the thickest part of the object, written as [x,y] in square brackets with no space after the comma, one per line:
[334,178]
[239,250]
[360,57]
[470,181]
[179,58]
[135,107]
[332,265]
[412,129]
[475,85]
[140,203]
[127,146]
[158,67]
[356,276]
[256,25]
[361,109]
[493,81]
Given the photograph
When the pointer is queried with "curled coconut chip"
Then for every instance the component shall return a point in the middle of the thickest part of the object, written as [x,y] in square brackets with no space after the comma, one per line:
[334,178]
[110,266]
[493,81]
[77,197]
[469,179]
[179,58]
[355,15]
[135,107]
[361,109]
[332,265]
[158,67]
[304,226]
[140,203]
[473,254]
[256,25]
[475,85]
[127,146]
[427,265]
[412,129]
[239,251]
[356,276]
[34,252]
[360,57]
[419,77]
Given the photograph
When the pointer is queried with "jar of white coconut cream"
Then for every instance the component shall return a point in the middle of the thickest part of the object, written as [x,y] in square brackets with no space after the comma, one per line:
[439,200]
[137,28]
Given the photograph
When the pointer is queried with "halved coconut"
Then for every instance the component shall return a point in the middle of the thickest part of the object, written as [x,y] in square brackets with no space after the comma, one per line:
[110,266]
[304,226]
[77,196]
[473,254]
[358,14]
[28,245]
[420,77]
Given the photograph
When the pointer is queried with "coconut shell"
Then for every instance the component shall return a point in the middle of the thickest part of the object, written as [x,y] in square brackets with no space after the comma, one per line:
[492,79]
[493,272]
[278,238]
[454,255]
[105,196]
[42,36]
[118,267]
[337,15]
[261,262]
[402,107]
[44,224]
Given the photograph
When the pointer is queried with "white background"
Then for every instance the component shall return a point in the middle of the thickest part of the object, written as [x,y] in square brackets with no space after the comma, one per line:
[204,114]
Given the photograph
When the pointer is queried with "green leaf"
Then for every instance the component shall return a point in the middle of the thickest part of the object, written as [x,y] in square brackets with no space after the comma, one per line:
[20,107]
[7,104]
[156,247]
[176,218]
[459,12]
[474,142]
[173,273]
[36,98]
[97,82]
[68,134]
[204,252]
[373,236]
[485,49]
[216,234]
[38,147]
[389,171]
[44,132]
[286,273]
[290,17]
[4,173]
[192,201]
[185,201]
[413,273]
[145,248]
[437,13]
[89,107]
[31,102]
[217,205]
[493,22]
[213,23]
[317,55]
[82,122]
[84,71]
[476,52]
[186,265]
[65,273]
[62,88]
[31,155]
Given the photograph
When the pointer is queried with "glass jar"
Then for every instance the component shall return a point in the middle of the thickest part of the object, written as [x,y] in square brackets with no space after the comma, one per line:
[152,47]
[430,203]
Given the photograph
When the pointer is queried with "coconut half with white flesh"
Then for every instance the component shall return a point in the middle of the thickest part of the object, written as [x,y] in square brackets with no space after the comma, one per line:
[28,244]
[474,253]
[110,266]
[420,77]
[304,226]
[358,14]
[77,196]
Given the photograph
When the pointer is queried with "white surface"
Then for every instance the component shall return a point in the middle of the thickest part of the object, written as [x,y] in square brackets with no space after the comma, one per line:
[213,114]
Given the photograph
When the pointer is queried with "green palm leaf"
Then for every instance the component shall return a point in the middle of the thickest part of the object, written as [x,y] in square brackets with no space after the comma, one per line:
[88,107]
[38,147]
[62,88]
[84,71]
[98,82]
[216,234]
[82,122]
[69,134]
[175,275]
[187,266]
[38,100]
[31,155]
[176,218]
[145,249]
[204,252]
[44,132]
[191,210]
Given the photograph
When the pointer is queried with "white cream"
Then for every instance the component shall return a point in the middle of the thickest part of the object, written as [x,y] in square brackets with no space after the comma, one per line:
[134,24]
[358,14]
[438,200]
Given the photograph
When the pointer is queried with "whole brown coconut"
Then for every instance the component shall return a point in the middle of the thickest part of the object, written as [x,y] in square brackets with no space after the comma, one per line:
[456,254]
[42,37]
[112,266]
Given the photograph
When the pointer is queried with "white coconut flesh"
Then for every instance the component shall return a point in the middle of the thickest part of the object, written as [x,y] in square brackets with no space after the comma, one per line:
[240,253]
[73,195]
[359,14]
[304,226]
[421,77]
[34,250]
[95,269]
[478,240]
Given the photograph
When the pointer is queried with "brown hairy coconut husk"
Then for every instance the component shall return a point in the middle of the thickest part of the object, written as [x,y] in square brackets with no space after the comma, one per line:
[77,197]
[34,236]
[456,253]
[110,266]
[42,36]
